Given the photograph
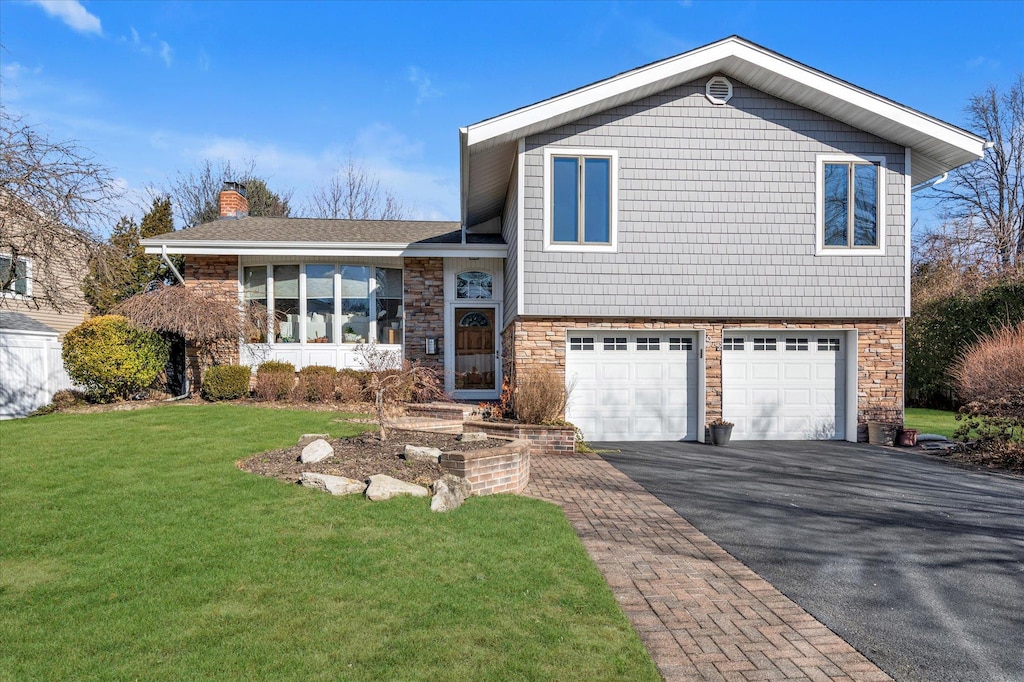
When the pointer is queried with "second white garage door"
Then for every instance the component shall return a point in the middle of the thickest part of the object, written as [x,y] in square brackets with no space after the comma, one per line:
[632,385]
[784,385]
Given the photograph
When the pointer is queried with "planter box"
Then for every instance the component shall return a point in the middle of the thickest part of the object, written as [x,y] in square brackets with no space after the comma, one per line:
[720,435]
[882,433]
[504,469]
[551,440]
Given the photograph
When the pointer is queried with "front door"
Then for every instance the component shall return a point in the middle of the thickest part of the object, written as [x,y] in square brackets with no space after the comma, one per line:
[474,349]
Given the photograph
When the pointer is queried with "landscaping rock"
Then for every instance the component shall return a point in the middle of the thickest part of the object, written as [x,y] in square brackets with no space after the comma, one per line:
[385,487]
[416,453]
[335,485]
[449,493]
[317,451]
[307,438]
[472,436]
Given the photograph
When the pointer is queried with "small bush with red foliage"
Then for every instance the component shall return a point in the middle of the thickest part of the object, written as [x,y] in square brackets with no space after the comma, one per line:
[990,379]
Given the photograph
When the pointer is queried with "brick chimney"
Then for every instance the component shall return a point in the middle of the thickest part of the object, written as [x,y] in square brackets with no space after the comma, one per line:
[233,203]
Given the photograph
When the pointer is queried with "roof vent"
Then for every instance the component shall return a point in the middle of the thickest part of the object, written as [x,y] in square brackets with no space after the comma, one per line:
[718,90]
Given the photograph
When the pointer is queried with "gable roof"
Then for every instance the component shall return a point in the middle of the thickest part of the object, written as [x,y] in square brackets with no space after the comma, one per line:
[320,236]
[19,322]
[488,147]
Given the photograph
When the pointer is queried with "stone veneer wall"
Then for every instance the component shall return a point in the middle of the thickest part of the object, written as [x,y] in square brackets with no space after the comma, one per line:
[216,276]
[424,310]
[530,343]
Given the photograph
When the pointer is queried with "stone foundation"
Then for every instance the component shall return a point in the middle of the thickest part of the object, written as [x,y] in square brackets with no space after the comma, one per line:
[532,343]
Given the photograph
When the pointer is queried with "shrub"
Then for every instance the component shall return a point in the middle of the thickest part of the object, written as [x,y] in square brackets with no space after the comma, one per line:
[391,381]
[942,329]
[111,358]
[68,397]
[316,384]
[275,380]
[226,382]
[992,371]
[540,397]
[349,388]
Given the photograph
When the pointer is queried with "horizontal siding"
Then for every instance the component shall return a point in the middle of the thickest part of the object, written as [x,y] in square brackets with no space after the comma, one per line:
[509,232]
[59,322]
[716,215]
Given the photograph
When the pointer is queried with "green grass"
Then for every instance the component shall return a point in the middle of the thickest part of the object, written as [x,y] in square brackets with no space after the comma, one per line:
[132,548]
[930,421]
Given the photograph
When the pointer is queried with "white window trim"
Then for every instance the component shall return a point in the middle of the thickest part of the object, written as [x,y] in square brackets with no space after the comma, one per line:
[819,205]
[28,278]
[613,228]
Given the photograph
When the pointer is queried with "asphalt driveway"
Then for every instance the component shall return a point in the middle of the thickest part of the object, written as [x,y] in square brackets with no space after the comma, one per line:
[917,563]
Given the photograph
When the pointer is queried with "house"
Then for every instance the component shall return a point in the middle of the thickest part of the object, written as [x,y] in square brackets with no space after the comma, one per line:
[40,299]
[723,233]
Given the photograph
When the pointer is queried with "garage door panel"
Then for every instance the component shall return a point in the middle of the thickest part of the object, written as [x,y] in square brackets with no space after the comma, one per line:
[794,372]
[614,371]
[585,371]
[791,394]
[649,372]
[611,397]
[651,399]
[676,371]
[761,371]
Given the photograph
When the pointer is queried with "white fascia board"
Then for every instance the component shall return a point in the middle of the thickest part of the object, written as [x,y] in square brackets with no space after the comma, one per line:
[512,124]
[464,174]
[210,248]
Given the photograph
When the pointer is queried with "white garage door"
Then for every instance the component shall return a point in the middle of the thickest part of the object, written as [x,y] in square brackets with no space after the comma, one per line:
[785,385]
[632,385]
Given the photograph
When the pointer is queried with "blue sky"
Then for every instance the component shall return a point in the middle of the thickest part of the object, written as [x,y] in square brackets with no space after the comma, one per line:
[154,87]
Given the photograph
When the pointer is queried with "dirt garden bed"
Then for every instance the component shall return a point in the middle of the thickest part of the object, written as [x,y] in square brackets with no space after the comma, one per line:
[362,456]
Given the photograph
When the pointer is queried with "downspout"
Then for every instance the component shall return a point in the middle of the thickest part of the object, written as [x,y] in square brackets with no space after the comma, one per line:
[177,275]
[166,259]
[928,184]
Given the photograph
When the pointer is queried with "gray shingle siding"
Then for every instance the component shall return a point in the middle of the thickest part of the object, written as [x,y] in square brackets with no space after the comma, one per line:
[509,228]
[716,216]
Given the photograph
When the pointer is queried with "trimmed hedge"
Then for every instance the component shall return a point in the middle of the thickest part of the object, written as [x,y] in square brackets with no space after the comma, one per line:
[226,382]
[940,331]
[275,380]
[112,358]
[316,384]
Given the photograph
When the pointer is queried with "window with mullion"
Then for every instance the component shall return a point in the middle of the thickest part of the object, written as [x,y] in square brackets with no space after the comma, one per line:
[581,200]
[851,205]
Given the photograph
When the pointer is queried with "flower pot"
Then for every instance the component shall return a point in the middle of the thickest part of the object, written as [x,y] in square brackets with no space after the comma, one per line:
[720,435]
[908,438]
[882,433]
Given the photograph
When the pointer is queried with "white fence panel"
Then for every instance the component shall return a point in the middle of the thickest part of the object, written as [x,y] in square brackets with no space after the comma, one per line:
[31,371]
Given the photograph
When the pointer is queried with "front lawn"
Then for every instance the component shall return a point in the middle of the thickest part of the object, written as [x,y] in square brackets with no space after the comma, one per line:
[132,548]
[940,422]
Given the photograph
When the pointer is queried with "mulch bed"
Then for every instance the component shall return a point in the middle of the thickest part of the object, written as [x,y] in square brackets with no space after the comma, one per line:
[362,456]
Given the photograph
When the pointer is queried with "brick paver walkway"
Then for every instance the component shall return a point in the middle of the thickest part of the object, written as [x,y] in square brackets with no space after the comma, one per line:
[702,614]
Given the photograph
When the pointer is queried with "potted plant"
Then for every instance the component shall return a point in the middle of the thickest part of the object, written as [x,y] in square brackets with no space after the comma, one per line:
[721,431]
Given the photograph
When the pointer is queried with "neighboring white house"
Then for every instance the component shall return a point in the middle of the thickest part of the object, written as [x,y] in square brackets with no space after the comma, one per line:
[31,369]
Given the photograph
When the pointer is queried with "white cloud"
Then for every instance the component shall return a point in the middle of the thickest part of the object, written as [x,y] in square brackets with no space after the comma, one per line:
[424,86]
[982,61]
[204,60]
[156,48]
[73,14]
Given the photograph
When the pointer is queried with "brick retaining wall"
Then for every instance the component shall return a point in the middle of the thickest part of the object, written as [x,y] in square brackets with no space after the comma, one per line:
[550,440]
[505,469]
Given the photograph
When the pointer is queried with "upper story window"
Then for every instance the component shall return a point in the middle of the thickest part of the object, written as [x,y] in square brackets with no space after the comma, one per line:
[580,203]
[851,204]
[14,283]
[474,285]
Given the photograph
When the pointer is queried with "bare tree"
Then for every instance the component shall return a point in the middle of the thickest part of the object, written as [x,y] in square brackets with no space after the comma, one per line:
[354,193]
[196,193]
[985,199]
[54,196]
[393,381]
